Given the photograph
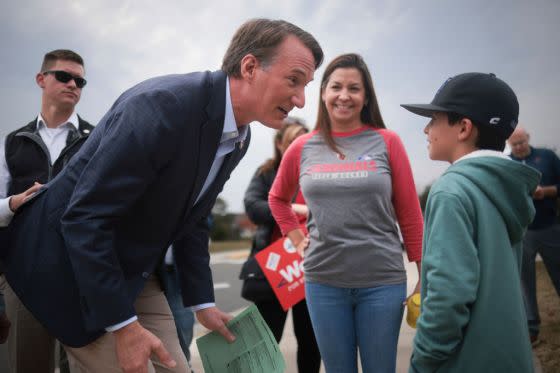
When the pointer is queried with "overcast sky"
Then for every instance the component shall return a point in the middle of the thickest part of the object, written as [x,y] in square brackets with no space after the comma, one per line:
[411,48]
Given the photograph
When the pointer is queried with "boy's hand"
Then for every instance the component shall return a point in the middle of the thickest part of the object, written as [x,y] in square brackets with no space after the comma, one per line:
[416,290]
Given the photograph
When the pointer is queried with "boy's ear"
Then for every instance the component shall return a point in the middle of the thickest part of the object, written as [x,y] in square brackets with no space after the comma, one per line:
[467,130]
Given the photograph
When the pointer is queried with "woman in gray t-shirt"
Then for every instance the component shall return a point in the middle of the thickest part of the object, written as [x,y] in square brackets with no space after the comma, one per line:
[356,179]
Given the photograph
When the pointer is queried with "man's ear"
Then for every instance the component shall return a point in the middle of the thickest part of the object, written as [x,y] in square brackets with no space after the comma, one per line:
[249,65]
[467,130]
[40,79]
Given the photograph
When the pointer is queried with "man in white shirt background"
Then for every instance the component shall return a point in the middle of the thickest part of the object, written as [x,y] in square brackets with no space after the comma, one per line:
[29,157]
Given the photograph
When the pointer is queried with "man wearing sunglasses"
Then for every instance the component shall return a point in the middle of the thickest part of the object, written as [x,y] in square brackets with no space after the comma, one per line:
[29,157]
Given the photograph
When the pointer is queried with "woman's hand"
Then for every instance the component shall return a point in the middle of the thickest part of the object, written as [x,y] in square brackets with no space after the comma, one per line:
[300,209]
[299,240]
[302,245]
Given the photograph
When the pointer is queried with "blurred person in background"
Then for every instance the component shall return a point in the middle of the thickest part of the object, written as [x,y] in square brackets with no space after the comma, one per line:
[255,286]
[543,234]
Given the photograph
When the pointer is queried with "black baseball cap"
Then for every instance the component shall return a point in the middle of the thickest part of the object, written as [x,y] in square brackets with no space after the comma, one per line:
[483,98]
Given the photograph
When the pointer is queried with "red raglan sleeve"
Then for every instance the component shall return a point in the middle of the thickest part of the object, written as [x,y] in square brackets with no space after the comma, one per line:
[405,198]
[285,186]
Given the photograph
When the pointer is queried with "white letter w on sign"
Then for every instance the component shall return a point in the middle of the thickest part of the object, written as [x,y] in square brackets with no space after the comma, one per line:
[291,271]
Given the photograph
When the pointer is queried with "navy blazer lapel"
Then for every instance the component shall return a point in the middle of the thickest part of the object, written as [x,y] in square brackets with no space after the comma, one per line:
[230,162]
[210,133]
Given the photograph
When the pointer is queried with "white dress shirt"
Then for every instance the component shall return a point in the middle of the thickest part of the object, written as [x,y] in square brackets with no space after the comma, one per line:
[54,139]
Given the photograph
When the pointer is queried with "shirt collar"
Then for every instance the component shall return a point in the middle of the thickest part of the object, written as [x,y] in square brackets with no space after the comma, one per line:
[72,121]
[231,131]
[483,153]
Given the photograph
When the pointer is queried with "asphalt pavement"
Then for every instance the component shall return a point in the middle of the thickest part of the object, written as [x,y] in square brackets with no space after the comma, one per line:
[225,269]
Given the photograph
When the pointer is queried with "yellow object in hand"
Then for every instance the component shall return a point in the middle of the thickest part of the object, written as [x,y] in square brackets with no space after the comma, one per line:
[413,309]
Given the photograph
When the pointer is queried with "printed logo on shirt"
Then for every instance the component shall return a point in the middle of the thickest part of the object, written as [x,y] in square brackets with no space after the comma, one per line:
[365,157]
[347,170]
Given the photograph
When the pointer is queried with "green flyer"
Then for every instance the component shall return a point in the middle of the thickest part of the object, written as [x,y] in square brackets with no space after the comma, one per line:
[254,351]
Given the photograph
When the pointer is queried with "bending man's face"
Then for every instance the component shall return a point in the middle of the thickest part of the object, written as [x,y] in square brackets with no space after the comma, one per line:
[280,86]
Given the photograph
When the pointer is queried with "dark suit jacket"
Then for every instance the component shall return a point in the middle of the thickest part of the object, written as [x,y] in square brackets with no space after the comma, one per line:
[79,253]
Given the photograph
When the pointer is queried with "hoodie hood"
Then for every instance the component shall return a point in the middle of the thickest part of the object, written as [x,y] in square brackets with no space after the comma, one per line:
[508,184]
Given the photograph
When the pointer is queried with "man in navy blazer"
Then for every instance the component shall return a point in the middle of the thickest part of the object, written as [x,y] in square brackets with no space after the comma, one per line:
[81,254]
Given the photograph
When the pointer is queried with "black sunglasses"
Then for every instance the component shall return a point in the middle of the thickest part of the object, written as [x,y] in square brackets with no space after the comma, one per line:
[64,77]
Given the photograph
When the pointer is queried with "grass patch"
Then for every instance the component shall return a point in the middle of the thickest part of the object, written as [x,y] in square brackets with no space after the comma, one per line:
[548,351]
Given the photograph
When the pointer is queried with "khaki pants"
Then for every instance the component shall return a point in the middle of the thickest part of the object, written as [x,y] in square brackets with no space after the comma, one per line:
[30,347]
[155,315]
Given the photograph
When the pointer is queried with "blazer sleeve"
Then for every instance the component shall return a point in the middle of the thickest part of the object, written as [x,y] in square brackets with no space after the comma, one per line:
[193,264]
[136,140]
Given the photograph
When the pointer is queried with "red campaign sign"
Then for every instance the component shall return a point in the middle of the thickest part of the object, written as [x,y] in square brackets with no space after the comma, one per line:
[283,268]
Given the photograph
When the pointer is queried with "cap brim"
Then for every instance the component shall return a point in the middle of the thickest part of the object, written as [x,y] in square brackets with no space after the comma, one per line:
[425,110]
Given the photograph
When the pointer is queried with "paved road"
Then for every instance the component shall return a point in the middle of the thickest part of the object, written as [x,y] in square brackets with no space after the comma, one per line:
[227,286]
[225,269]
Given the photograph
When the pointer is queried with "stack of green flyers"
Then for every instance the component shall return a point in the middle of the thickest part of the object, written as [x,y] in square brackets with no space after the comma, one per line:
[254,351]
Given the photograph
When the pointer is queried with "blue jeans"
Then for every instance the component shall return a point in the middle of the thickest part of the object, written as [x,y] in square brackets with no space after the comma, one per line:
[546,242]
[346,320]
[184,318]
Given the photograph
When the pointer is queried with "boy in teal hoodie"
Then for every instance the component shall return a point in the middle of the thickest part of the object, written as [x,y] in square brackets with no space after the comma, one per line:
[472,317]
